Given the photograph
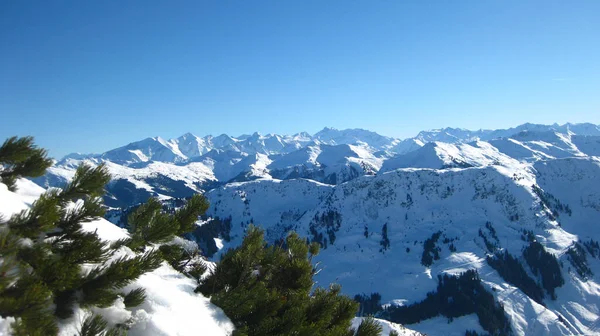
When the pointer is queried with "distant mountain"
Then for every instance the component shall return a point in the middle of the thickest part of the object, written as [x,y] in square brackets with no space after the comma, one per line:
[441,155]
[329,156]
[149,149]
[332,136]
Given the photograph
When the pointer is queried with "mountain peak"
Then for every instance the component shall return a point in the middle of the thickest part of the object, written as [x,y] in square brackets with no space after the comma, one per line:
[187,135]
[326,130]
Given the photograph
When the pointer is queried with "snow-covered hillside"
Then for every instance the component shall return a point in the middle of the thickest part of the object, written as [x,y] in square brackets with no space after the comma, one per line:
[375,229]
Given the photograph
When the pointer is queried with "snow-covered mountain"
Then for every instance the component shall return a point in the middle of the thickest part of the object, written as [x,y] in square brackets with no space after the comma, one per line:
[377,231]
[147,167]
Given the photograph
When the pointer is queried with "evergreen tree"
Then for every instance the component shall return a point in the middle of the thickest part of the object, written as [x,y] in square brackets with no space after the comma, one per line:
[267,290]
[52,248]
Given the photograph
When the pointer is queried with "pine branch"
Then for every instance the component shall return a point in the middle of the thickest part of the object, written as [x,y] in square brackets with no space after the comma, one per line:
[87,182]
[99,285]
[188,214]
[135,298]
[19,157]
[41,217]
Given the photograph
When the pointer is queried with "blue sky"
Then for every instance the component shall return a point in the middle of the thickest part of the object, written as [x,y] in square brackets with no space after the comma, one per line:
[88,76]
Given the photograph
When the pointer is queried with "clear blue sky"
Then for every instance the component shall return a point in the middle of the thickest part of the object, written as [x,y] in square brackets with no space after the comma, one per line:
[89,76]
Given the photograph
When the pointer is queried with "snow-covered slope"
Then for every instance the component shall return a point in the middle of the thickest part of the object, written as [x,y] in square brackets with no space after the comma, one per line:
[454,135]
[137,182]
[479,210]
[440,155]
[331,164]
[332,136]
[150,149]
[388,327]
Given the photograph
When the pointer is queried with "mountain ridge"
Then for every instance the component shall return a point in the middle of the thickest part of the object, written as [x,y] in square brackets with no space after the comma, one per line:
[329,133]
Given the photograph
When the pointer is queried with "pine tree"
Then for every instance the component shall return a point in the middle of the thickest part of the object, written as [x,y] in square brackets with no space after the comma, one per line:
[267,290]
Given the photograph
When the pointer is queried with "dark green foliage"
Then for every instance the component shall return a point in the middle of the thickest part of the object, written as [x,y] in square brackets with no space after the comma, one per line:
[385,241]
[186,262]
[20,157]
[195,271]
[135,297]
[188,214]
[100,285]
[368,327]
[512,271]
[430,251]
[47,272]
[88,182]
[95,325]
[394,333]
[30,300]
[266,290]
[84,247]
[578,259]
[369,305]
[175,255]
[545,265]
[149,225]
[455,297]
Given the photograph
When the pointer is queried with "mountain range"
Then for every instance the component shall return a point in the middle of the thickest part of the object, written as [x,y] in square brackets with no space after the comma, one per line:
[189,164]
[519,206]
